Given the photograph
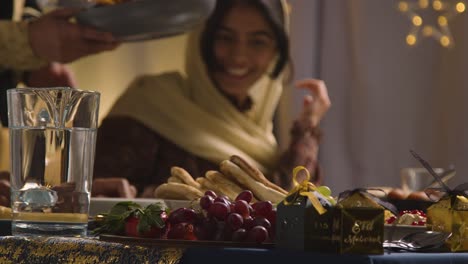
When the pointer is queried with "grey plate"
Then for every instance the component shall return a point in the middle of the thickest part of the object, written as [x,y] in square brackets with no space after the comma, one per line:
[147,19]
[400,231]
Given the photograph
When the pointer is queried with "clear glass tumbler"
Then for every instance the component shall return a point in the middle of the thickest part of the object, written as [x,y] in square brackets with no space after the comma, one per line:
[52,146]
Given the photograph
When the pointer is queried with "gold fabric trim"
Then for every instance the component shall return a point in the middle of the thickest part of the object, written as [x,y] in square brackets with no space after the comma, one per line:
[15,50]
[81,250]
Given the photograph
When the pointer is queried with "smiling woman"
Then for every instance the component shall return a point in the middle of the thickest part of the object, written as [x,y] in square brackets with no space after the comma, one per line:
[236,65]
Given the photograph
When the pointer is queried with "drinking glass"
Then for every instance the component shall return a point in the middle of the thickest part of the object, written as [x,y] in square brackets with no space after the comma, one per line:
[52,146]
[417,179]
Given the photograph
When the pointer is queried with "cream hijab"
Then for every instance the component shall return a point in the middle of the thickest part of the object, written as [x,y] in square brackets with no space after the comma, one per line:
[192,113]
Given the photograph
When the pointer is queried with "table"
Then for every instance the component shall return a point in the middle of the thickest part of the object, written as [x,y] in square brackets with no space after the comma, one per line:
[257,256]
[83,250]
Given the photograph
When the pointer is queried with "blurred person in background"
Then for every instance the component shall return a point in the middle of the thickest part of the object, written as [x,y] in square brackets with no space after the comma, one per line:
[236,67]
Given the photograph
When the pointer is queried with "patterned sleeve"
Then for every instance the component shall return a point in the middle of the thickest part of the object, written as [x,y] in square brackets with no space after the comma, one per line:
[302,151]
[125,148]
[15,50]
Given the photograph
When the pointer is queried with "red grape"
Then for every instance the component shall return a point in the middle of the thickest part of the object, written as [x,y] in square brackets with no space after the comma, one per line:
[220,199]
[219,210]
[272,217]
[206,201]
[263,208]
[257,234]
[262,221]
[182,215]
[239,235]
[249,223]
[242,207]
[234,221]
[206,229]
[220,233]
[245,196]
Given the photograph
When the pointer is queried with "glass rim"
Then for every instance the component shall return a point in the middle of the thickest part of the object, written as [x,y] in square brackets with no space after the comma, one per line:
[58,88]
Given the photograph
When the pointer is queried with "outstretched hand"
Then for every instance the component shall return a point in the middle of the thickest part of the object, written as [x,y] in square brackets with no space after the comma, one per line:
[55,38]
[113,187]
[315,104]
[52,75]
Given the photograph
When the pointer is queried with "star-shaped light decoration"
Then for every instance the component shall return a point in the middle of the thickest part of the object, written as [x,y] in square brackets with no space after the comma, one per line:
[430,18]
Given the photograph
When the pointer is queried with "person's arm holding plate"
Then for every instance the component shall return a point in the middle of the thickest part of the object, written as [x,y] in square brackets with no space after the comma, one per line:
[55,38]
[32,45]
[52,37]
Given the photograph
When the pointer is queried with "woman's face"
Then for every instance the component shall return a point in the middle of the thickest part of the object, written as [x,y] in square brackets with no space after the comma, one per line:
[244,46]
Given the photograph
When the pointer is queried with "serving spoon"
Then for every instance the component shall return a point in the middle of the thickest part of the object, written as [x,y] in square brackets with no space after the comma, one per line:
[419,241]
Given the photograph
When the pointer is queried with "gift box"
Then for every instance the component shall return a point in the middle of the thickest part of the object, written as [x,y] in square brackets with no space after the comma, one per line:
[358,223]
[439,216]
[304,219]
[450,215]
[459,239]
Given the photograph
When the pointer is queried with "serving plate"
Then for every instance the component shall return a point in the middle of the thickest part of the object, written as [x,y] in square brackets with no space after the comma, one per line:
[147,19]
[153,242]
[396,232]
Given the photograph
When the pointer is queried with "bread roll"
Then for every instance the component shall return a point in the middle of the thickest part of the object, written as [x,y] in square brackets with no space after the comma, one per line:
[255,173]
[262,192]
[209,185]
[223,184]
[419,196]
[174,179]
[397,194]
[183,175]
[177,191]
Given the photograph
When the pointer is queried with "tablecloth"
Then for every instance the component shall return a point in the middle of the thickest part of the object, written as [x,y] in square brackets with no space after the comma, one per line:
[80,250]
[90,250]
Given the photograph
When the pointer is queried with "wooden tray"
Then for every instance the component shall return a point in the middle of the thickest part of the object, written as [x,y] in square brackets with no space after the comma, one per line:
[153,242]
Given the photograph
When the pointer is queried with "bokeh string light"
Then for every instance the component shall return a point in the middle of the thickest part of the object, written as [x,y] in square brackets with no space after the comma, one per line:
[430,18]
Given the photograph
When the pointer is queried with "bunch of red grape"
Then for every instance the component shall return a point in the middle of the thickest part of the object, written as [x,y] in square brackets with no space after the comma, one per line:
[221,219]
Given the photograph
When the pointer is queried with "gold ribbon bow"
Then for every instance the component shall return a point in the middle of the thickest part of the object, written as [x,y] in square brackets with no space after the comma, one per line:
[305,188]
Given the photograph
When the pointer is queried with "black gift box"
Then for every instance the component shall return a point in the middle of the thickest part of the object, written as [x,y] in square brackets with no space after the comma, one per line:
[301,226]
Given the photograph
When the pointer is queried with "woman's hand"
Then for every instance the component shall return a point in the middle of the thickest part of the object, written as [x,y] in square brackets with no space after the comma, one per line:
[113,187]
[5,189]
[316,104]
[148,192]
[54,38]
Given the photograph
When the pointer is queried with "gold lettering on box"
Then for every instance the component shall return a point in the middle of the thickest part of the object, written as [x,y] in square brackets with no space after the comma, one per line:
[361,239]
